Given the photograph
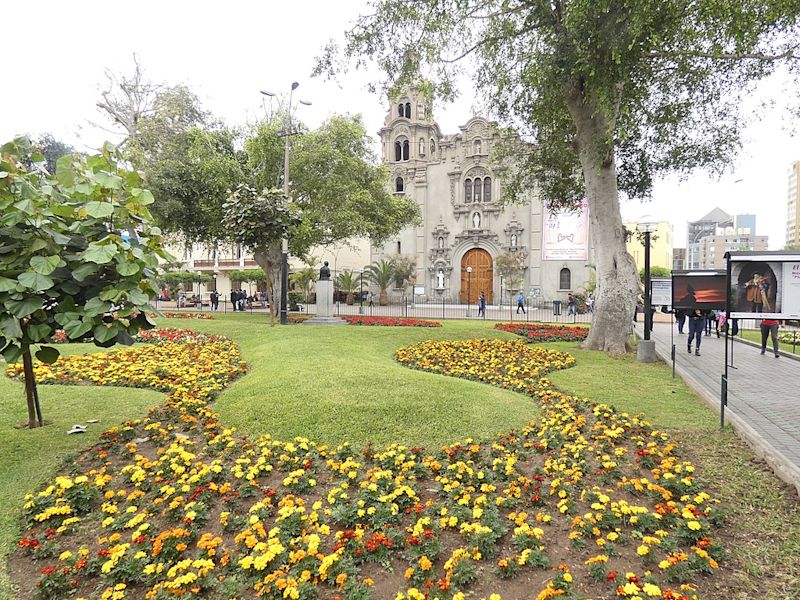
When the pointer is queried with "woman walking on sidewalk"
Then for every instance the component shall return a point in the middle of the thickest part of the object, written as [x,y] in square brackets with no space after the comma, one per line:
[769,327]
[697,323]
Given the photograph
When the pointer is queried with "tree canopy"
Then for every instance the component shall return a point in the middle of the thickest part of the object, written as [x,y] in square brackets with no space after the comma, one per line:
[606,95]
[78,252]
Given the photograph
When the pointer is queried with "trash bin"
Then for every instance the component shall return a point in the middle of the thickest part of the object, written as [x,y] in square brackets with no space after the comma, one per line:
[556,307]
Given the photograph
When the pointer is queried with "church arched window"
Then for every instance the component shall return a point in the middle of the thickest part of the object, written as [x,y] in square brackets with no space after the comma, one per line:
[398,151]
[401,110]
[421,146]
[408,110]
[468,190]
[487,189]
[477,187]
[433,148]
[399,185]
[565,279]
[406,149]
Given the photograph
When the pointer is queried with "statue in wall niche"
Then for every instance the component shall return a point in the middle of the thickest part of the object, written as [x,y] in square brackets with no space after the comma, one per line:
[440,279]
[513,240]
[476,220]
[441,242]
[325,272]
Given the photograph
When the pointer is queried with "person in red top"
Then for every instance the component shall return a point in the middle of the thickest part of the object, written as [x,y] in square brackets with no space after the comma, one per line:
[769,327]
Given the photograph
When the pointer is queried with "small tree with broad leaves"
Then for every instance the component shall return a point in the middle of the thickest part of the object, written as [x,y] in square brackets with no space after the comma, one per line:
[258,221]
[78,252]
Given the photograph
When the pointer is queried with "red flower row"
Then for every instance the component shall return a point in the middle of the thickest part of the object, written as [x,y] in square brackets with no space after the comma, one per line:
[390,321]
[544,332]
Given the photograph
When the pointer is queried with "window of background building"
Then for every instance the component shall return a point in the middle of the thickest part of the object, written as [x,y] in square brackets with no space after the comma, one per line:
[565,279]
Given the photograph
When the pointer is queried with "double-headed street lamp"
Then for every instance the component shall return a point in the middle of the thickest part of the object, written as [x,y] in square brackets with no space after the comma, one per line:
[288,131]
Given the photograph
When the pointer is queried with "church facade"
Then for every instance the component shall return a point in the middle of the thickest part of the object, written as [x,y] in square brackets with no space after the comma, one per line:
[464,227]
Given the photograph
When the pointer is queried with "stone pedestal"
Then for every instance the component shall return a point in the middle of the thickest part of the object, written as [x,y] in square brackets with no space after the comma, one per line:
[646,351]
[325,298]
[325,307]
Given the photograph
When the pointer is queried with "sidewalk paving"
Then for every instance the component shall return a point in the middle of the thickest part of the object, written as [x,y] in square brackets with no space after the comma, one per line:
[763,396]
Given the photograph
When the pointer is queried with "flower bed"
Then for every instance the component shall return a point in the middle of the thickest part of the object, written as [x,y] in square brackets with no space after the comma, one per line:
[586,502]
[544,332]
[163,335]
[390,321]
[189,315]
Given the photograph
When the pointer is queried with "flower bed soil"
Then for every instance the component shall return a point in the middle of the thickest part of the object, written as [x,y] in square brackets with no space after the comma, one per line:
[585,502]
[390,321]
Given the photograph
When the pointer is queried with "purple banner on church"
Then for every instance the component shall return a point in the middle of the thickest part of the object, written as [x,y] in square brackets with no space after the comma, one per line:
[566,235]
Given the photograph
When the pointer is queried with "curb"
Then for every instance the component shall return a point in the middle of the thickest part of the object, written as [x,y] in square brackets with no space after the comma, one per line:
[779,464]
[757,345]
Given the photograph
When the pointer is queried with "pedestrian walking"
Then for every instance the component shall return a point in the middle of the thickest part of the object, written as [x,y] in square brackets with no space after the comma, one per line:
[234,299]
[697,323]
[371,299]
[769,327]
[589,303]
[215,300]
[482,305]
[521,303]
[680,317]
[570,304]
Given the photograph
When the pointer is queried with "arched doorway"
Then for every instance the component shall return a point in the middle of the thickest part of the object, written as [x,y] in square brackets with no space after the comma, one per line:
[480,279]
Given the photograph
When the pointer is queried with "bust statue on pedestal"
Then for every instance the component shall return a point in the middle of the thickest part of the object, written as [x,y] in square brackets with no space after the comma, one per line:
[325,272]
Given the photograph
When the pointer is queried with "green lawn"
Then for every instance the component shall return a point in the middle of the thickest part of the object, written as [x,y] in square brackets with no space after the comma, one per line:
[335,384]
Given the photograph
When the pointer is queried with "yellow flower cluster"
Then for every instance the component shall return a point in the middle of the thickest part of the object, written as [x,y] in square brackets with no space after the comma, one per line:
[189,509]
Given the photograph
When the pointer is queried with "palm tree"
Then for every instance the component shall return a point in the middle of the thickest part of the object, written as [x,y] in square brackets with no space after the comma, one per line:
[381,274]
[304,278]
[347,282]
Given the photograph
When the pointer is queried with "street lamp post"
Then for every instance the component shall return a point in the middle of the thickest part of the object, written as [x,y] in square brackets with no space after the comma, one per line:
[469,288]
[285,240]
[646,351]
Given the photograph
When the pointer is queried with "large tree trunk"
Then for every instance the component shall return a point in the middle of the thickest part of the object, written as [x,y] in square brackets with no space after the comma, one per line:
[269,259]
[617,278]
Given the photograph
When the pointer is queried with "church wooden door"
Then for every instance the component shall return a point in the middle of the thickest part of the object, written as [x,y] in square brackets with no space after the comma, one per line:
[481,277]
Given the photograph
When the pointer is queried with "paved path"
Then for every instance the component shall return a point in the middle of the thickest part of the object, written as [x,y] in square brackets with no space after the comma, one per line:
[763,394]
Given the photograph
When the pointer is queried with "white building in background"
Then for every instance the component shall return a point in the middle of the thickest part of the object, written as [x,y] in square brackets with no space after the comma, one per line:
[464,228]
[464,224]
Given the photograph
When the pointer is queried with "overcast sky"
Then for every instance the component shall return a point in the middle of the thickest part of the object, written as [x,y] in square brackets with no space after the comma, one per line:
[56,54]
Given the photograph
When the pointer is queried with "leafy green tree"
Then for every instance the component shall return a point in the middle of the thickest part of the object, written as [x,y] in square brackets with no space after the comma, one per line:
[184,280]
[191,176]
[304,278]
[381,274]
[655,271]
[792,246]
[258,221]
[339,191]
[511,267]
[52,149]
[79,253]
[611,94]
[347,282]
[405,269]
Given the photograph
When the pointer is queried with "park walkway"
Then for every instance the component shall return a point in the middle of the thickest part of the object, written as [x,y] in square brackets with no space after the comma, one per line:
[763,393]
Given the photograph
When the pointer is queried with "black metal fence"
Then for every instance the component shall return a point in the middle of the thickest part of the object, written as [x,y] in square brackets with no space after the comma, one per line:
[538,311]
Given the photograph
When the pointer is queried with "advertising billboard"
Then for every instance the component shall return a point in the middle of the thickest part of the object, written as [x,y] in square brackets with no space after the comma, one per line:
[699,289]
[765,285]
[566,235]
[661,291]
